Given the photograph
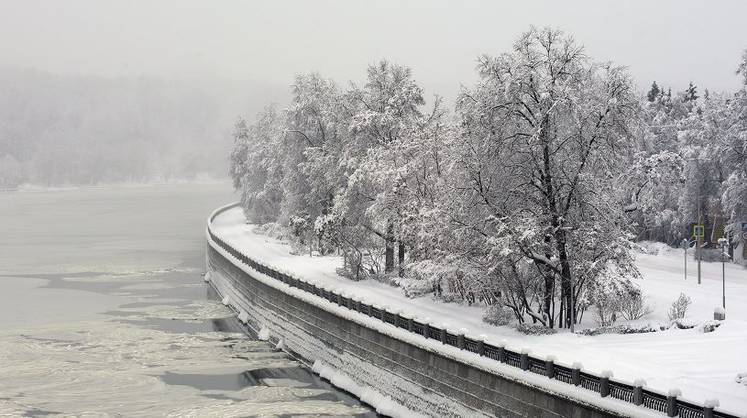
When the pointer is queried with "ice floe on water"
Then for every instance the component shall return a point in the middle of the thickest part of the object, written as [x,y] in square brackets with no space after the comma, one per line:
[94,367]
[109,324]
[108,368]
[199,310]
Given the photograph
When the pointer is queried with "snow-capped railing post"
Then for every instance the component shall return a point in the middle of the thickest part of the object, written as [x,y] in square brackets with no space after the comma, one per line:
[576,374]
[410,323]
[502,352]
[460,339]
[604,383]
[481,345]
[550,367]
[672,402]
[525,359]
[398,320]
[426,329]
[443,334]
[375,311]
[709,406]
[638,391]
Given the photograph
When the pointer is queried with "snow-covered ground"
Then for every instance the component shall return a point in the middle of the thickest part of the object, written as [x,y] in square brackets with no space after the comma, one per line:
[702,365]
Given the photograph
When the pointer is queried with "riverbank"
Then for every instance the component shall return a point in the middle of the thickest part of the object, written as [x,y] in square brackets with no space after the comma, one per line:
[401,373]
[702,365]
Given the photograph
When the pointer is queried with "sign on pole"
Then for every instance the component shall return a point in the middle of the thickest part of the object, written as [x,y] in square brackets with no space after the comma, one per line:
[698,231]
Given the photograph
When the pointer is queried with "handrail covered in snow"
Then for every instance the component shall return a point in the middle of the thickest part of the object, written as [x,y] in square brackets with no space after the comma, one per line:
[605,385]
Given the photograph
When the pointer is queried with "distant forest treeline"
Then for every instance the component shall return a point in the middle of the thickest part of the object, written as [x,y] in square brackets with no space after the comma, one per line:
[57,130]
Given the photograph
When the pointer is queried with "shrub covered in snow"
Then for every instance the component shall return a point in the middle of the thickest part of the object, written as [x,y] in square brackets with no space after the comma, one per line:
[633,306]
[684,324]
[618,329]
[653,247]
[678,310]
[616,299]
[497,315]
[415,288]
[709,326]
[534,329]
[273,230]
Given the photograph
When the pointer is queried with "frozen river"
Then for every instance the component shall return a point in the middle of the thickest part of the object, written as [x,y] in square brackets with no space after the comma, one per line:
[103,312]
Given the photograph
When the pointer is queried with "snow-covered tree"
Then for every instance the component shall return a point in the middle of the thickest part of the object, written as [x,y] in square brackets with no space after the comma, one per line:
[544,134]
[406,176]
[529,196]
[654,93]
[384,115]
[256,167]
[731,149]
[313,135]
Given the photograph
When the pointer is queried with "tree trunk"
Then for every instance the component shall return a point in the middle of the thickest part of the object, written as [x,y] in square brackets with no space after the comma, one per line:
[389,243]
[565,276]
[549,291]
[558,233]
[401,259]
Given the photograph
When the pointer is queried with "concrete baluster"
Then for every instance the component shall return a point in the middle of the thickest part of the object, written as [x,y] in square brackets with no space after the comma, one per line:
[460,339]
[672,402]
[576,374]
[638,386]
[708,406]
[481,345]
[604,383]
[550,367]
[502,351]
[525,358]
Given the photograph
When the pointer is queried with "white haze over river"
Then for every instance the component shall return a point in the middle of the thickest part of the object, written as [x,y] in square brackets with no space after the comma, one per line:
[103,312]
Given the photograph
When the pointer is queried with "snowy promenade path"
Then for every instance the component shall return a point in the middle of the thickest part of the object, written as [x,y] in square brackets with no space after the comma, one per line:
[702,365]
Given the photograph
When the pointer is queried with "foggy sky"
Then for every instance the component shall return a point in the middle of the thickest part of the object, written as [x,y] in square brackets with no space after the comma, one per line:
[672,42]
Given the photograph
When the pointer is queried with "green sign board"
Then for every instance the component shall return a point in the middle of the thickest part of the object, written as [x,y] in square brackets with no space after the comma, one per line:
[698,231]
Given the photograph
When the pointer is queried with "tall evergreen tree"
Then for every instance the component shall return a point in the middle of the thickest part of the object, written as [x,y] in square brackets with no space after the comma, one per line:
[691,93]
[654,92]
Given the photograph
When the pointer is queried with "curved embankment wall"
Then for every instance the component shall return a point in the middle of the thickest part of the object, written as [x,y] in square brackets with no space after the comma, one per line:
[401,367]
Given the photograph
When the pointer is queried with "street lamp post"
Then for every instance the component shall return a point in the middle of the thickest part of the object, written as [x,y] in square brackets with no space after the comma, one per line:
[724,254]
[685,244]
[699,253]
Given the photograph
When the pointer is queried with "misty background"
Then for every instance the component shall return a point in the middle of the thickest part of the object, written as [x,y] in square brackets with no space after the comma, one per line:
[118,91]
